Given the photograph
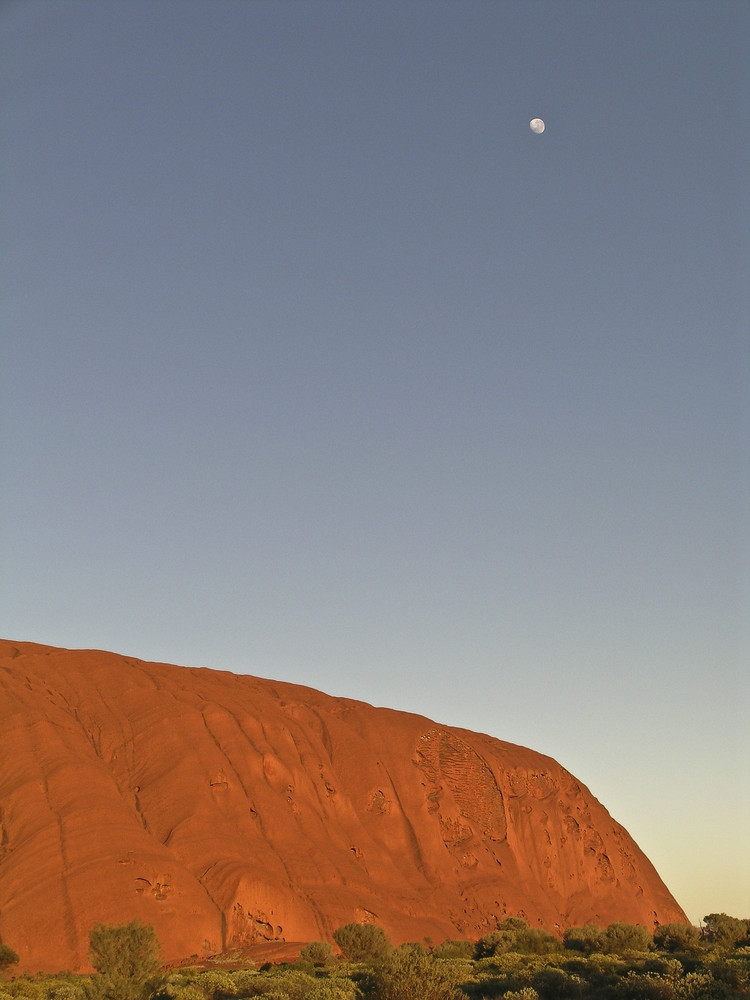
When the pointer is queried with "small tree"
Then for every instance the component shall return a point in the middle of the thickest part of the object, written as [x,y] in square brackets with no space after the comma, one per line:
[362,942]
[7,958]
[126,957]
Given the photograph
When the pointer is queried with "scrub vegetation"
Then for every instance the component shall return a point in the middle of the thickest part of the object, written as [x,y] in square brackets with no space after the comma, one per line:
[512,962]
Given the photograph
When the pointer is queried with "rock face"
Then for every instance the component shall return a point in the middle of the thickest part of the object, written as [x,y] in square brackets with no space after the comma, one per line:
[227,810]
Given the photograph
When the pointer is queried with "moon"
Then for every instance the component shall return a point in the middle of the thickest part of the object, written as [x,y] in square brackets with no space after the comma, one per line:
[537,125]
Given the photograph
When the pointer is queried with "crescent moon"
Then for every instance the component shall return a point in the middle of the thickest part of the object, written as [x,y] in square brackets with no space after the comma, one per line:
[537,125]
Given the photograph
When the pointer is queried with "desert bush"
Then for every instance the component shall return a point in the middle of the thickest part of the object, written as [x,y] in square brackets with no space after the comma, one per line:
[724,931]
[668,967]
[701,986]
[512,934]
[281,984]
[409,973]
[676,937]
[515,935]
[186,992]
[494,943]
[535,941]
[8,957]
[554,984]
[646,986]
[126,958]
[271,992]
[215,981]
[28,989]
[67,991]
[362,942]
[179,986]
[622,938]
[333,989]
[736,974]
[454,949]
[484,987]
[600,973]
[588,939]
[42,987]
[512,924]
[243,980]
[526,993]
[317,953]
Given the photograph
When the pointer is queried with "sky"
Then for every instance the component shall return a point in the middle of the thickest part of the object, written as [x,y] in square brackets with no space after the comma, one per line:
[319,365]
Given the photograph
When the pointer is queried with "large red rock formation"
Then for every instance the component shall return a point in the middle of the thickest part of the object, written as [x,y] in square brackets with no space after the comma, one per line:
[227,810]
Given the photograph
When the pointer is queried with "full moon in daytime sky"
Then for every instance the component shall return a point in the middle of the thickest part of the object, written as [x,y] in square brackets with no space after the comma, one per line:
[537,125]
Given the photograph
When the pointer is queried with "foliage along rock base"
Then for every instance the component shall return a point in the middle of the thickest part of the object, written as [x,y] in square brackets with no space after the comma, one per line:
[230,811]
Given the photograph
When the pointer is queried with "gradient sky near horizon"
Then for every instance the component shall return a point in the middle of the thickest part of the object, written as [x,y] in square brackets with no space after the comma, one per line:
[319,365]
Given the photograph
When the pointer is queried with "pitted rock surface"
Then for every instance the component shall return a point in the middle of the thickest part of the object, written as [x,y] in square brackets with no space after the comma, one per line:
[233,812]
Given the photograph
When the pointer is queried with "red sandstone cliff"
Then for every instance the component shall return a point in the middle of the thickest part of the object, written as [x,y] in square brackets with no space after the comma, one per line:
[226,809]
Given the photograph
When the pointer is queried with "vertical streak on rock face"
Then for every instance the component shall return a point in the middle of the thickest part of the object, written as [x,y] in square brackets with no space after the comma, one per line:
[227,810]
[68,922]
[3,834]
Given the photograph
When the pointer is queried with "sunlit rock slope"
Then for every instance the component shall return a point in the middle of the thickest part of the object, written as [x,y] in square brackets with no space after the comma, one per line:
[227,810]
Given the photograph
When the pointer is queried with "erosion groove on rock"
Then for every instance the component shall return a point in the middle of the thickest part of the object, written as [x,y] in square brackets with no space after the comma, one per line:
[228,810]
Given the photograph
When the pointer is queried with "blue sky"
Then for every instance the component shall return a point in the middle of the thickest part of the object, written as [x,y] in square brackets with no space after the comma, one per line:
[319,365]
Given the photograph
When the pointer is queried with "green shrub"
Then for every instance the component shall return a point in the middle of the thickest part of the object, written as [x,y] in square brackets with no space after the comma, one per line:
[535,941]
[514,934]
[677,937]
[333,989]
[67,991]
[317,953]
[409,973]
[701,986]
[244,980]
[726,932]
[736,974]
[28,989]
[668,967]
[588,939]
[362,942]
[280,984]
[554,984]
[454,949]
[646,986]
[126,958]
[494,943]
[622,938]
[8,957]
[187,991]
[216,981]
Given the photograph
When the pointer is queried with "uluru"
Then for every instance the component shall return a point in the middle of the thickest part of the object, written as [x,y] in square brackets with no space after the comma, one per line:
[228,810]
